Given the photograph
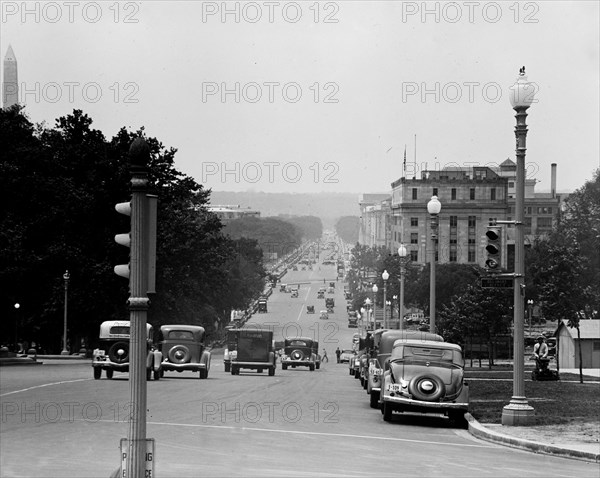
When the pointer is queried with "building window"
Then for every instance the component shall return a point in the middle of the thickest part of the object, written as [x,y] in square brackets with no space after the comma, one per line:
[472,194]
[544,224]
[493,194]
[471,240]
[471,255]
[528,210]
[453,194]
[453,240]
[414,237]
[414,256]
[472,221]
[414,193]
[511,184]
[414,222]
[452,257]
[453,221]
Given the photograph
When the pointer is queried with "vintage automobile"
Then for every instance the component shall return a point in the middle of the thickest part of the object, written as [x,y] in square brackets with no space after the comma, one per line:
[346,356]
[310,309]
[183,349]
[329,302]
[112,353]
[282,288]
[320,295]
[255,350]
[301,352]
[332,285]
[262,305]
[352,319]
[324,315]
[425,376]
[383,343]
[331,290]
[294,293]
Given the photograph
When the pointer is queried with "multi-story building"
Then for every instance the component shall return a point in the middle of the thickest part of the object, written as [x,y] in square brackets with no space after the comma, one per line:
[228,213]
[470,198]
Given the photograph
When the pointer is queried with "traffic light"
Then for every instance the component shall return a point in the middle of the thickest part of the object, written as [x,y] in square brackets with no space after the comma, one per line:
[148,240]
[494,248]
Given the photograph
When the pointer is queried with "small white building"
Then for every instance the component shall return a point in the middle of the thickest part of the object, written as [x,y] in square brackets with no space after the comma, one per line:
[569,344]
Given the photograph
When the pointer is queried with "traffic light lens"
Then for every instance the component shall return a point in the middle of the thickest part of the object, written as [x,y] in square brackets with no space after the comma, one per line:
[492,235]
[491,264]
[492,249]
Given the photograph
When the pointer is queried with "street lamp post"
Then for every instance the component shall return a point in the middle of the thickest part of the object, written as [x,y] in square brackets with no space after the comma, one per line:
[402,252]
[518,411]
[368,304]
[66,278]
[385,276]
[433,207]
[17,306]
[530,313]
[375,289]
[394,299]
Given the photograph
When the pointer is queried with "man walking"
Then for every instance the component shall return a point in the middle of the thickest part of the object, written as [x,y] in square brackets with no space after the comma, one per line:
[324,358]
[338,353]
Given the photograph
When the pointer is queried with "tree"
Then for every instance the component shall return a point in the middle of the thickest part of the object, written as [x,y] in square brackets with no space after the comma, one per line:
[347,228]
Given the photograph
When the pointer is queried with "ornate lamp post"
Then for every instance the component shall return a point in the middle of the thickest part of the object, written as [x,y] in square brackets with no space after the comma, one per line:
[403,253]
[385,276]
[375,289]
[433,208]
[66,278]
[368,304]
[394,299]
[518,411]
[17,307]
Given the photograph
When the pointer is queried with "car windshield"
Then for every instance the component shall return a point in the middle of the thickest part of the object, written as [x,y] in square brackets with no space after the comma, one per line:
[119,330]
[418,353]
[181,334]
[298,343]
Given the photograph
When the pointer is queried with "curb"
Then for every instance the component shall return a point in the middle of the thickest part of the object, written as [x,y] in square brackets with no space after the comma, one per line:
[479,431]
[4,362]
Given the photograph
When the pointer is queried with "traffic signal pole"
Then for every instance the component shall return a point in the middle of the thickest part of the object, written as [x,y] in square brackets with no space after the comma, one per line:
[139,155]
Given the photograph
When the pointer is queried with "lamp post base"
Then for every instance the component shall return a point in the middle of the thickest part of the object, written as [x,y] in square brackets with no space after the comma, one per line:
[65,352]
[518,413]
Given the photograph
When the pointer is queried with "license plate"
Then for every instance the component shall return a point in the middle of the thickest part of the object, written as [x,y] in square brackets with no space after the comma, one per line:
[100,353]
[394,387]
[375,371]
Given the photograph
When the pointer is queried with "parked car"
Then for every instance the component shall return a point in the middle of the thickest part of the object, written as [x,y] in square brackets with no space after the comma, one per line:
[255,350]
[183,349]
[230,348]
[352,319]
[112,353]
[346,355]
[262,306]
[300,352]
[383,343]
[425,376]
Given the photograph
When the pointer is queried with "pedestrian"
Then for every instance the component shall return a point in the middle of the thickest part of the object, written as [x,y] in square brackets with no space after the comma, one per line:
[325,358]
[540,351]
[338,353]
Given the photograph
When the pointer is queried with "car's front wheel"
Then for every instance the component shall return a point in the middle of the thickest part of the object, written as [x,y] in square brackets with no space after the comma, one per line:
[109,374]
[227,367]
[272,371]
[97,373]
[387,411]
[203,374]
[374,399]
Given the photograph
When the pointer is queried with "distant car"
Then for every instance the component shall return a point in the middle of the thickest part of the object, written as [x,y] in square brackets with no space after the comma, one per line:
[262,306]
[324,315]
[427,377]
[255,350]
[183,349]
[346,355]
[310,309]
[295,294]
[300,352]
[112,353]
[320,295]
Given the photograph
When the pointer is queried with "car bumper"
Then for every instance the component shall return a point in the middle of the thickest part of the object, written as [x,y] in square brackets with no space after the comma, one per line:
[107,364]
[254,365]
[298,363]
[167,366]
[419,404]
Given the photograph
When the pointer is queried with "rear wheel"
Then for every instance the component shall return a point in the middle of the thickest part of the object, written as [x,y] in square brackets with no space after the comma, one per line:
[374,399]
[311,367]
[97,373]
[203,373]
[109,374]
[318,365]
[284,366]
[227,367]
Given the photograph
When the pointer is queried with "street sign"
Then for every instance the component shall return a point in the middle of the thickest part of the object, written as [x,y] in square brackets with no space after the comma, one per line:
[496,283]
[148,457]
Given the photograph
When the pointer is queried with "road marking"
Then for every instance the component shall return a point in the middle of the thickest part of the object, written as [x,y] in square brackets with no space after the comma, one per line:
[45,385]
[297,432]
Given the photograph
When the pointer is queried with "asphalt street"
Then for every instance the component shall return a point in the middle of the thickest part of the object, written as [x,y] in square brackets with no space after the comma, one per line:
[57,421]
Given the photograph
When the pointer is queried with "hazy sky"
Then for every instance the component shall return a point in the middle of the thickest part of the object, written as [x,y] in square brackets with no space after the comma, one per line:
[319,96]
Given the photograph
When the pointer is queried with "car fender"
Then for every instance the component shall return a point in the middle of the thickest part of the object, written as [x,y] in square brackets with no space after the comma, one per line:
[463,397]
[205,359]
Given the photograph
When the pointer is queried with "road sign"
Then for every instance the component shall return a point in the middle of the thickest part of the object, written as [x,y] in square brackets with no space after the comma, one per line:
[496,283]
[148,457]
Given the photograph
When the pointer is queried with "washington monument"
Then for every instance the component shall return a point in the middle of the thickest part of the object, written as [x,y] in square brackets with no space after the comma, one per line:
[10,83]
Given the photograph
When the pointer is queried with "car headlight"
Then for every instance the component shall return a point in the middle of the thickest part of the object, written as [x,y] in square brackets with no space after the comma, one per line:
[403,383]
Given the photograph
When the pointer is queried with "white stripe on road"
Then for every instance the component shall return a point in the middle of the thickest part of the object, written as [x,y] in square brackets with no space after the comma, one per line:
[45,385]
[297,432]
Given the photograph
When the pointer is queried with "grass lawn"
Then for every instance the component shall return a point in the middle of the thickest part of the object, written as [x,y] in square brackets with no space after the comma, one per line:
[555,402]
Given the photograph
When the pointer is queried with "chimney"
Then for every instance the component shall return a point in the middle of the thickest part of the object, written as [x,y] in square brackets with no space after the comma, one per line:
[553,180]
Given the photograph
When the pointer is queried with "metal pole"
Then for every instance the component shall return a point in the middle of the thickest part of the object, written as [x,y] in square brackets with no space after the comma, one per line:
[401,307]
[384,304]
[65,351]
[138,308]
[518,411]
[434,226]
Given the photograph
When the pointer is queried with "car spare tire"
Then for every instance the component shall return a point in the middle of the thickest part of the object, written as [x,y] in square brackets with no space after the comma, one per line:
[179,354]
[426,387]
[297,354]
[119,352]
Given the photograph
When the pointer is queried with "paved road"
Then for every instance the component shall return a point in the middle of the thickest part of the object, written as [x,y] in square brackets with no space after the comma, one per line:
[59,422]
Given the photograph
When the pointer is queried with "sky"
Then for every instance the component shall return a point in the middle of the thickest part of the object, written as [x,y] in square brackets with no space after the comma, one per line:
[320,96]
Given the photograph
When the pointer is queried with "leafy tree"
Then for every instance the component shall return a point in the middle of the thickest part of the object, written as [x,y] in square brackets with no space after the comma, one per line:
[272,234]
[310,227]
